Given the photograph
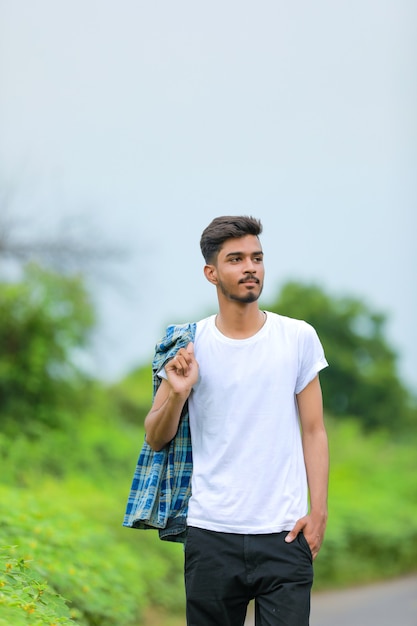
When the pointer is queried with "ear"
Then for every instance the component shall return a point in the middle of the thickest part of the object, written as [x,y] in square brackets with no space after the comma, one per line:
[211,274]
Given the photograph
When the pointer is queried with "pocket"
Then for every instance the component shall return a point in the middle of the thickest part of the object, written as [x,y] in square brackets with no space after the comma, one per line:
[306,546]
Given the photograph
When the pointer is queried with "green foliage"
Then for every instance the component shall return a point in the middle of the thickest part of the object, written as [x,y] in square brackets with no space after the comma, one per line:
[67,512]
[372,527]
[71,529]
[44,320]
[79,555]
[133,395]
[362,379]
[25,597]
[98,442]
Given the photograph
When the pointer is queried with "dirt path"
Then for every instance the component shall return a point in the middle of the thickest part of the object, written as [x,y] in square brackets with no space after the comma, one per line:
[383,604]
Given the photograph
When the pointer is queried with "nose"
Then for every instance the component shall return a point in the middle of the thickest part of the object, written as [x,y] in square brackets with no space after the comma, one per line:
[250,267]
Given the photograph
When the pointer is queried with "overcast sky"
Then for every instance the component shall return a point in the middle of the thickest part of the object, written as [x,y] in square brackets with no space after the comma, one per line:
[144,121]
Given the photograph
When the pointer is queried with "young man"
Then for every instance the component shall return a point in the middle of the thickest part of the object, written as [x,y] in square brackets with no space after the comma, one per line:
[246,382]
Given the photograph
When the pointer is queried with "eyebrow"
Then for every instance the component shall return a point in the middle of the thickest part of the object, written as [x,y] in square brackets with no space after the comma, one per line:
[256,253]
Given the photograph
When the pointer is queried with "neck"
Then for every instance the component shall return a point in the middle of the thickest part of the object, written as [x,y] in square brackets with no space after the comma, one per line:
[240,321]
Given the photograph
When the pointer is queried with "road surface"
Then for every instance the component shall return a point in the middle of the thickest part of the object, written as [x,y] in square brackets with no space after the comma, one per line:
[392,603]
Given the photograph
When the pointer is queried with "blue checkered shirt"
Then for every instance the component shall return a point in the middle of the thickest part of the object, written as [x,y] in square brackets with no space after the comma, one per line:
[161,484]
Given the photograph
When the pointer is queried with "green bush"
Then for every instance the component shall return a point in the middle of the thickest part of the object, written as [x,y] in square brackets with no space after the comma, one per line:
[78,556]
[97,445]
[372,527]
[70,529]
[25,598]
[133,394]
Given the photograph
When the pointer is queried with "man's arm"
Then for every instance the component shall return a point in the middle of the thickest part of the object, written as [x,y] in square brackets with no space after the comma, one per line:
[316,457]
[161,423]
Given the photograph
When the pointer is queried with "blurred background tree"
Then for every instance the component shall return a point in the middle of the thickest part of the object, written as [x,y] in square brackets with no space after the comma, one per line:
[363,379]
[45,319]
[48,317]
[73,246]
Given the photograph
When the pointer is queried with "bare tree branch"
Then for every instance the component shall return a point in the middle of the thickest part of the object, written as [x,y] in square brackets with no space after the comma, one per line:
[72,249]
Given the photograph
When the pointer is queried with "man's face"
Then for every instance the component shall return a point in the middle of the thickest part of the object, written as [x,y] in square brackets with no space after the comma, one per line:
[239,269]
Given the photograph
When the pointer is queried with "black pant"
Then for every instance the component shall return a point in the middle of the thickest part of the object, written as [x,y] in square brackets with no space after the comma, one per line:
[224,571]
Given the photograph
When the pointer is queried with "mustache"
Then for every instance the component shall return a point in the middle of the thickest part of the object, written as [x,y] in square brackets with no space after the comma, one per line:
[248,279]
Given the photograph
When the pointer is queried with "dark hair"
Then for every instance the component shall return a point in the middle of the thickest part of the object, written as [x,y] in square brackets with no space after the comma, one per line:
[226,227]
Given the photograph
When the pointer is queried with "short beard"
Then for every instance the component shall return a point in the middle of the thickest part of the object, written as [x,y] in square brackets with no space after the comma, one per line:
[250,296]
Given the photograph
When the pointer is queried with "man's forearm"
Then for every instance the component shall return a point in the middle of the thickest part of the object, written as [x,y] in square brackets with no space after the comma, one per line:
[161,423]
[316,457]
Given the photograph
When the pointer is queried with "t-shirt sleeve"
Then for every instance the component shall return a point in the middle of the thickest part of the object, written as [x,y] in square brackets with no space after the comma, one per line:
[162,373]
[311,359]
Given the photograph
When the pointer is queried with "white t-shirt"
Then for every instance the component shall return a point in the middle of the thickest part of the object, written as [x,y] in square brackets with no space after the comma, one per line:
[248,466]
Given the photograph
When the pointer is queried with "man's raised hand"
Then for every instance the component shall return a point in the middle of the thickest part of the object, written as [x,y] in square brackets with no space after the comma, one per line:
[182,370]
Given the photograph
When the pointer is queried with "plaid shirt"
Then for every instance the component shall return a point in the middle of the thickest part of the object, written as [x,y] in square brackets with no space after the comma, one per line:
[161,484]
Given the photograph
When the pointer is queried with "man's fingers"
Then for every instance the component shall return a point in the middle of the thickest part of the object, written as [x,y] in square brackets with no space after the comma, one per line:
[182,360]
[186,355]
[294,532]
